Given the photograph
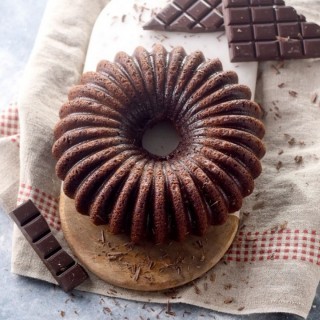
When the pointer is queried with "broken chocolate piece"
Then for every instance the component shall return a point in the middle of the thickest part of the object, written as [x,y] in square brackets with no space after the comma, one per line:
[67,272]
[188,16]
[260,30]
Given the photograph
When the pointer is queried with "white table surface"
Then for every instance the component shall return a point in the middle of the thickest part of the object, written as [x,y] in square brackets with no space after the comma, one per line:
[22,298]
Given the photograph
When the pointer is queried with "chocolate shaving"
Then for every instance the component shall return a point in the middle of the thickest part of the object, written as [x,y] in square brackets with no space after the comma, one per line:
[298,159]
[292,141]
[251,238]
[199,243]
[220,35]
[228,300]
[113,290]
[115,255]
[106,310]
[169,311]
[196,288]
[227,286]
[212,277]
[279,165]
[137,274]
[283,226]
[314,97]
[276,69]
[293,93]
[282,39]
[258,205]
[103,239]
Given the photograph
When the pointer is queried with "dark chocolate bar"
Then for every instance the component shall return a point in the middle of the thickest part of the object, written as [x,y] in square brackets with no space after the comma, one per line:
[188,16]
[67,272]
[260,30]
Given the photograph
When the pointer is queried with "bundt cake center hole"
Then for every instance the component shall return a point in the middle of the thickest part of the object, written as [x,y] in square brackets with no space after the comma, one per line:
[161,139]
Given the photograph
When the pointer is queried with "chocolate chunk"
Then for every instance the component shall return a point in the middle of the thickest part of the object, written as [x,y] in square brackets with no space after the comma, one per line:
[60,262]
[47,246]
[36,229]
[188,16]
[72,277]
[67,272]
[268,30]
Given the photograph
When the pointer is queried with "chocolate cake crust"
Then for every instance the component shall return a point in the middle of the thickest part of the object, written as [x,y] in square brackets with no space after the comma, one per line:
[115,181]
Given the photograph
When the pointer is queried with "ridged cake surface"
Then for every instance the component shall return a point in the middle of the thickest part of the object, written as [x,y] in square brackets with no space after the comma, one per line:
[115,181]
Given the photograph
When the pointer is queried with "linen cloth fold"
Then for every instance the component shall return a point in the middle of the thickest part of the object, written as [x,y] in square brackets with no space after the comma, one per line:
[274,262]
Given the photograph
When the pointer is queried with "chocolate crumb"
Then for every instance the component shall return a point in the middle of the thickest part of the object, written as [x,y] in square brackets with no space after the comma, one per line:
[279,165]
[280,152]
[62,313]
[281,85]
[293,93]
[240,308]
[298,159]
[228,300]
[123,18]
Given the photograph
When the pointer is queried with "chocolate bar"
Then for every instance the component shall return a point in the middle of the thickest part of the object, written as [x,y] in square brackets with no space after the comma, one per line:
[188,16]
[67,272]
[260,30]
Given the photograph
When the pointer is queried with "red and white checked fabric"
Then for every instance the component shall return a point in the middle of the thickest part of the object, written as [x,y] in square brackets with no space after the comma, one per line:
[9,123]
[285,244]
[46,203]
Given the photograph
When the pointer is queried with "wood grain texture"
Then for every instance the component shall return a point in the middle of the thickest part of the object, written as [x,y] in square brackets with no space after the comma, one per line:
[146,267]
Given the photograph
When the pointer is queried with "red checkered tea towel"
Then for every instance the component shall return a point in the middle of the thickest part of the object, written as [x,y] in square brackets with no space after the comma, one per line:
[274,262]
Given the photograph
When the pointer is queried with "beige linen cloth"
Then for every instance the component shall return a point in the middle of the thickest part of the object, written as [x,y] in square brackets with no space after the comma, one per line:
[274,262]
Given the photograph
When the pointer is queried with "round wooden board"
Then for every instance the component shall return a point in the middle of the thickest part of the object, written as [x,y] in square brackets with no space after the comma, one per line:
[142,267]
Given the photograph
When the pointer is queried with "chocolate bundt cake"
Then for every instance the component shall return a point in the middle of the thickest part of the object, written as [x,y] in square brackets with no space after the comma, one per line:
[115,181]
